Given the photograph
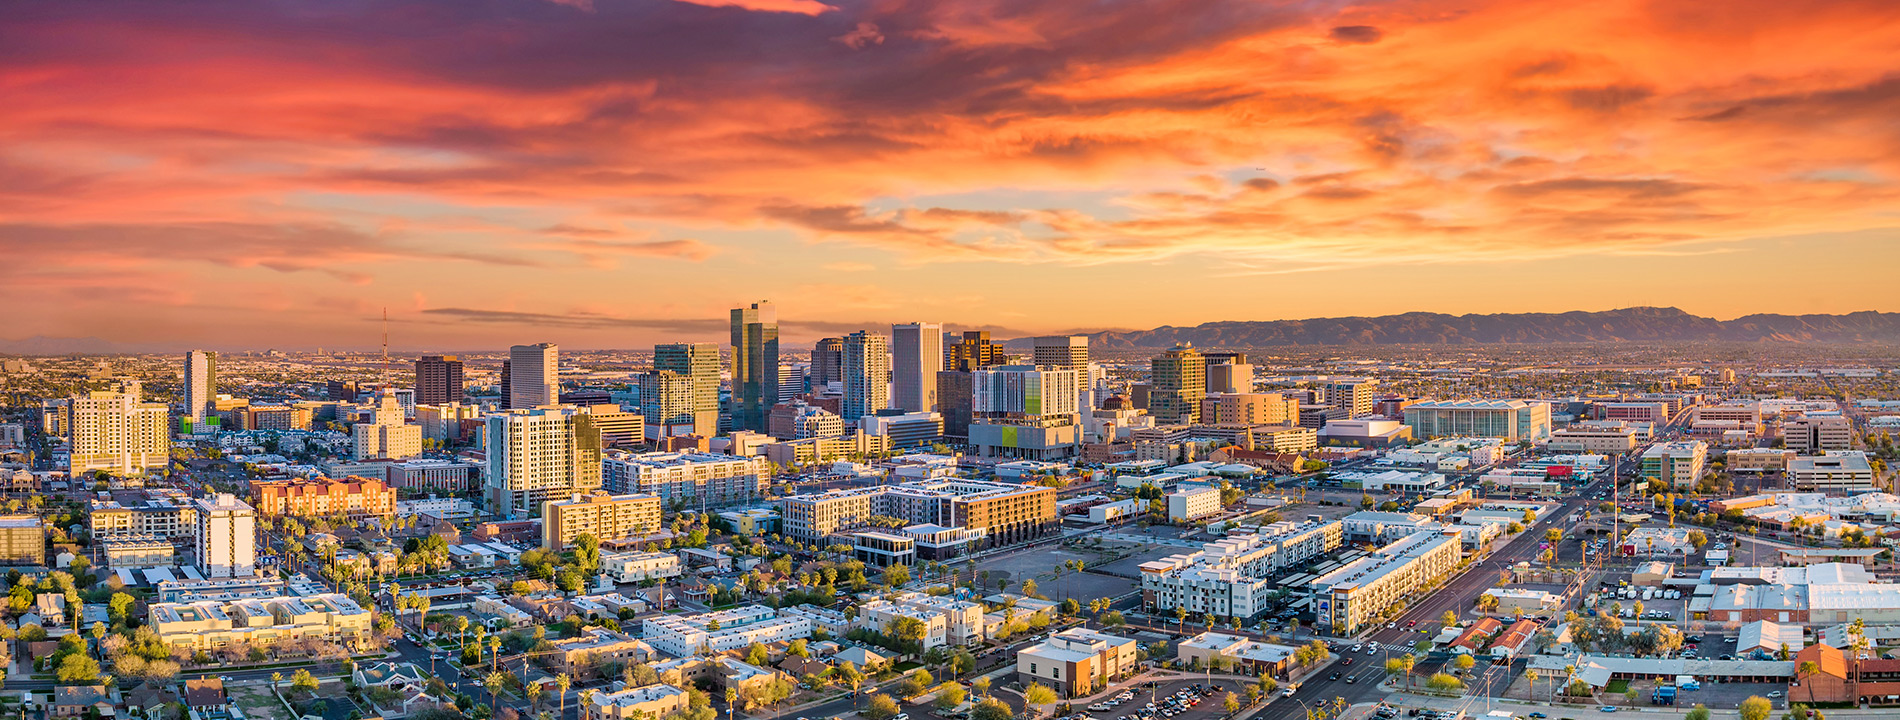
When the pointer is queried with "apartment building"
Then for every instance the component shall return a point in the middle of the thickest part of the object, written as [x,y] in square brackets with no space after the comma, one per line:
[116,433]
[1193,502]
[649,701]
[324,497]
[22,540]
[1679,464]
[696,478]
[633,567]
[212,624]
[879,614]
[1225,577]
[719,631]
[606,517]
[855,444]
[1000,513]
[1758,459]
[226,536]
[963,619]
[1353,596]
[1815,434]
[152,514]
[599,645]
[1649,412]
[1076,662]
[539,455]
[1354,397]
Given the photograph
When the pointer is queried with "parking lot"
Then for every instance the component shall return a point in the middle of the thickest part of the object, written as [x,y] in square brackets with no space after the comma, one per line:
[1211,704]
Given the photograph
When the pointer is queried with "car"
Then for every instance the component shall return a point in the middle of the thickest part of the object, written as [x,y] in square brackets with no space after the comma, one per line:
[1411,623]
[1287,692]
[1394,625]
[1607,708]
[1347,661]
[1357,648]
[902,716]
[1775,693]
[1537,716]
[1372,648]
[1350,680]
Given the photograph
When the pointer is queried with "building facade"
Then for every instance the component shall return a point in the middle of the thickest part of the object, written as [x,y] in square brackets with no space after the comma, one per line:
[916,358]
[539,455]
[1510,420]
[695,478]
[867,375]
[324,497]
[115,433]
[226,538]
[699,364]
[755,364]
[534,375]
[439,380]
[606,517]
[1178,383]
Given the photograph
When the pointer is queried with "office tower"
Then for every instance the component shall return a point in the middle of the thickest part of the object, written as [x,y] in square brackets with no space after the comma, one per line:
[226,538]
[1024,411]
[534,375]
[754,364]
[1179,381]
[547,453]
[115,432]
[1815,435]
[867,375]
[1229,378]
[916,356]
[1355,396]
[201,384]
[386,435]
[791,381]
[438,380]
[827,362]
[974,352]
[507,379]
[1062,351]
[954,398]
[699,363]
[666,401]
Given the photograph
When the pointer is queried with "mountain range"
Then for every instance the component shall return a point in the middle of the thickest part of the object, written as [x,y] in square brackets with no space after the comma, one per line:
[1637,324]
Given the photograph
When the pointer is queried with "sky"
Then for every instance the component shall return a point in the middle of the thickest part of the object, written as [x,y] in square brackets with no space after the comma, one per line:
[615,173]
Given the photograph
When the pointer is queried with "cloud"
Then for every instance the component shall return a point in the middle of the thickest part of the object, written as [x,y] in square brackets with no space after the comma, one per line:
[864,35]
[1356,34]
[799,7]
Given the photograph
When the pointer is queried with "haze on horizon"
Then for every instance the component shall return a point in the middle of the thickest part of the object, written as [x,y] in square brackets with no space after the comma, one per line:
[613,173]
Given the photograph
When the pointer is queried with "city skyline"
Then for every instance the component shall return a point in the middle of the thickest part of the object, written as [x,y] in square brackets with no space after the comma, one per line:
[619,173]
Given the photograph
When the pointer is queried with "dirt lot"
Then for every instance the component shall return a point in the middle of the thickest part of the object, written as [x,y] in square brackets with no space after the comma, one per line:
[1040,564]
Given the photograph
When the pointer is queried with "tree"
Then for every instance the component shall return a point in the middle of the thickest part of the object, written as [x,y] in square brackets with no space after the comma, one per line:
[1441,682]
[756,654]
[562,682]
[881,707]
[1038,694]
[304,681]
[1231,704]
[78,669]
[276,680]
[1449,619]
[950,697]
[849,673]
[1756,707]
[494,684]
[982,686]
[991,709]
[1699,712]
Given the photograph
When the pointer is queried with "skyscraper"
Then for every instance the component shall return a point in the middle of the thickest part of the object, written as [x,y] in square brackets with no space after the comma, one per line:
[666,401]
[1179,378]
[754,364]
[115,432]
[1063,351]
[827,362]
[438,380]
[699,362]
[534,375]
[867,375]
[534,456]
[975,352]
[916,356]
[201,384]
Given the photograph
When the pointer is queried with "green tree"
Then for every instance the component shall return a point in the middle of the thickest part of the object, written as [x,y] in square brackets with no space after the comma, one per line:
[1231,704]
[1756,707]
[991,709]
[1449,619]
[78,669]
[951,696]
[303,680]
[1699,712]
[1443,682]
[881,707]
[1038,695]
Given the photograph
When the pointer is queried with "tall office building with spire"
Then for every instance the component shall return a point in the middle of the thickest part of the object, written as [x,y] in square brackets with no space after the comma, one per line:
[201,385]
[916,357]
[867,375]
[534,375]
[699,363]
[754,365]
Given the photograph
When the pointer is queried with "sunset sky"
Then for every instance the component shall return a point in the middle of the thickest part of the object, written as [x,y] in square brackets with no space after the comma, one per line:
[619,172]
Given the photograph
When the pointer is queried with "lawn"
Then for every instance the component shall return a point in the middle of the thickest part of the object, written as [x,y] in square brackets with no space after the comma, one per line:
[1617,687]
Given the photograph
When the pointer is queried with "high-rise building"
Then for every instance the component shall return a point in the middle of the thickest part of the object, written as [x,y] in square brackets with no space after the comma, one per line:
[226,540]
[867,375]
[1229,378]
[954,397]
[827,362]
[1062,351]
[916,356]
[507,381]
[973,352]
[201,384]
[1024,411]
[538,455]
[1179,381]
[666,401]
[115,432]
[438,380]
[754,364]
[699,363]
[791,381]
[534,375]
[1354,395]
[1814,435]
[386,435]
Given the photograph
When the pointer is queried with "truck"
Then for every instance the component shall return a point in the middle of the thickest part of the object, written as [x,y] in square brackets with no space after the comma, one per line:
[1663,695]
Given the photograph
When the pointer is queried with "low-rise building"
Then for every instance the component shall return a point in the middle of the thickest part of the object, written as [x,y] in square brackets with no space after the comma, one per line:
[632,567]
[683,635]
[1349,598]
[1758,459]
[1227,577]
[1193,502]
[324,497]
[1238,653]
[641,703]
[1679,464]
[598,645]
[211,624]
[606,517]
[1076,662]
[1837,471]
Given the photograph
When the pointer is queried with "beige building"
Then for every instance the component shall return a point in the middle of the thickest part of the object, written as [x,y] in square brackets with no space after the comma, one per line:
[598,645]
[166,517]
[999,513]
[324,497]
[1586,439]
[387,435]
[641,703]
[1178,384]
[827,449]
[116,433]
[606,517]
[1250,408]
[212,624]
[1076,662]
[22,540]
[1354,596]
[1758,459]
[1812,435]
[1355,396]
[538,455]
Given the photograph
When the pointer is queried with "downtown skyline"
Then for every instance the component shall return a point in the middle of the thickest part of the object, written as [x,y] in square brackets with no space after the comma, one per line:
[614,174]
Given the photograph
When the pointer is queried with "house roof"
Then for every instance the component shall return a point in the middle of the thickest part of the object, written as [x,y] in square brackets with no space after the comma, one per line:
[1830,661]
[87,695]
[204,692]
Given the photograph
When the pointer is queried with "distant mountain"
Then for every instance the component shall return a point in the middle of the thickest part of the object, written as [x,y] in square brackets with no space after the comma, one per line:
[1640,324]
[43,345]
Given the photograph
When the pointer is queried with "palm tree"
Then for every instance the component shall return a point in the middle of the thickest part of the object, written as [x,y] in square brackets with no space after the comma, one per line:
[584,697]
[1807,669]
[561,683]
[1532,676]
[494,652]
[732,698]
[276,680]
[493,684]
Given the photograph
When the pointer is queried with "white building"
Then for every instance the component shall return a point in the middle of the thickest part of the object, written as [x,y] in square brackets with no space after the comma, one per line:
[1386,526]
[538,455]
[1192,503]
[115,432]
[632,567]
[1592,439]
[226,540]
[534,375]
[730,629]
[386,435]
[1352,596]
[879,614]
[1226,577]
[1679,463]
[1837,471]
[867,375]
